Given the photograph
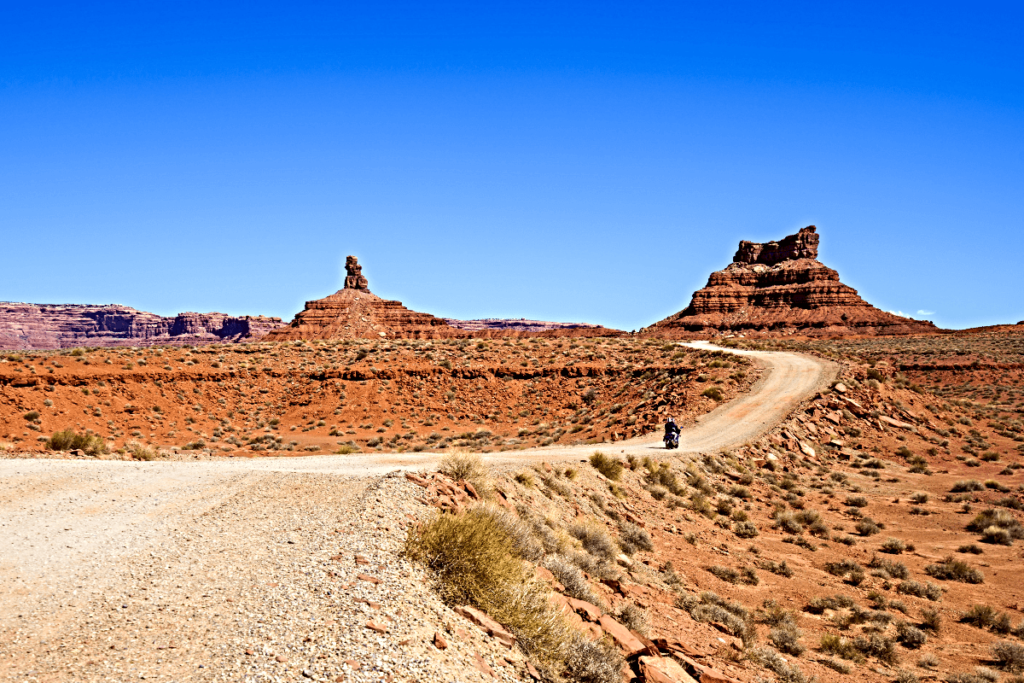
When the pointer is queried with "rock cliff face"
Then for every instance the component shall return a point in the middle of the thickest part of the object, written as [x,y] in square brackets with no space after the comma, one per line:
[45,326]
[781,288]
[354,312]
[520,325]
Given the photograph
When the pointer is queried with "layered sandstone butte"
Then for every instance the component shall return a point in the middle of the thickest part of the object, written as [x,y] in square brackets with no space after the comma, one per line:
[61,326]
[781,288]
[354,312]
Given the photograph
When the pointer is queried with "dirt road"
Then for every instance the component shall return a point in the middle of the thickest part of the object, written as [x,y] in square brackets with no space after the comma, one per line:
[74,532]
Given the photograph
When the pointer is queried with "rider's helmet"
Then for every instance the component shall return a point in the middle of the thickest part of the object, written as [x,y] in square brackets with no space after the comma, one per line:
[672,420]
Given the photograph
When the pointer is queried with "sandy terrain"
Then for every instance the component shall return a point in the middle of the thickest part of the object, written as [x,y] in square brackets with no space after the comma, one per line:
[86,536]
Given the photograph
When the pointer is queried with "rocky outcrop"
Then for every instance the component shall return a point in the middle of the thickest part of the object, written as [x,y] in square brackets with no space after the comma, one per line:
[781,288]
[354,312]
[520,325]
[59,326]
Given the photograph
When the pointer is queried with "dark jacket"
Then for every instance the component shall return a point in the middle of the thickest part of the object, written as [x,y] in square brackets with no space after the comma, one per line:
[671,428]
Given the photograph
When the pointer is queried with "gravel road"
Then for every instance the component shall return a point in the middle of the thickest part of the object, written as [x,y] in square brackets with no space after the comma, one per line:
[114,570]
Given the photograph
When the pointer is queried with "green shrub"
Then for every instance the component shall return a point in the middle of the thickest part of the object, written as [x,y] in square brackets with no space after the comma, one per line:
[609,467]
[714,393]
[68,440]
[31,415]
[952,569]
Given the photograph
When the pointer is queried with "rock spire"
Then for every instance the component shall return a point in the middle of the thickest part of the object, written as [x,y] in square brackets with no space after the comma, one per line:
[354,275]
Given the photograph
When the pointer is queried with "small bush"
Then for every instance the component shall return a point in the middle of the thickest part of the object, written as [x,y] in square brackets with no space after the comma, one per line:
[920,590]
[140,452]
[1009,656]
[856,501]
[633,538]
[910,636]
[966,486]
[569,575]
[595,540]
[773,661]
[931,620]
[68,440]
[895,570]
[787,639]
[714,393]
[634,618]
[893,546]
[782,569]
[835,644]
[867,527]
[465,466]
[31,415]
[972,548]
[997,519]
[919,498]
[952,569]
[609,467]
[835,602]
[745,529]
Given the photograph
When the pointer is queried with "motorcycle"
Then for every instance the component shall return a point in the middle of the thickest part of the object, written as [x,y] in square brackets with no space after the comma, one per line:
[671,441]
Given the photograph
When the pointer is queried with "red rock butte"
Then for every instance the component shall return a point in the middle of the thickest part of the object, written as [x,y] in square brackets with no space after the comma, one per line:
[354,312]
[780,288]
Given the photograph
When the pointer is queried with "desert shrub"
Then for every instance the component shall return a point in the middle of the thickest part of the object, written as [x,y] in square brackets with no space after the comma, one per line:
[834,602]
[139,451]
[910,636]
[633,538]
[595,540]
[931,620]
[928,661]
[905,676]
[788,522]
[31,415]
[634,618]
[1008,656]
[709,607]
[991,521]
[773,614]
[773,661]
[464,466]
[893,546]
[473,559]
[609,467]
[834,644]
[919,498]
[835,665]
[782,569]
[920,590]
[856,501]
[878,646]
[972,548]
[895,570]
[952,569]
[867,527]
[714,393]
[68,440]
[842,568]
[966,486]
[787,639]
[745,529]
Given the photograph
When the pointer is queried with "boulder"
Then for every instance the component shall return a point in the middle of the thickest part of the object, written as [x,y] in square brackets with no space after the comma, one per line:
[663,670]
[623,637]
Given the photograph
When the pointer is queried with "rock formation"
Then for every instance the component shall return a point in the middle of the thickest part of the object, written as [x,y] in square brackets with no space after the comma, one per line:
[46,326]
[354,312]
[520,325]
[781,288]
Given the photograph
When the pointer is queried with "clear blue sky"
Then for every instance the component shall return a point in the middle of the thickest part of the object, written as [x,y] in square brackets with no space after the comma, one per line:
[587,161]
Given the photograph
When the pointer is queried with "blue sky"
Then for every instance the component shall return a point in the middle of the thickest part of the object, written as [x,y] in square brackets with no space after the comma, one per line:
[588,162]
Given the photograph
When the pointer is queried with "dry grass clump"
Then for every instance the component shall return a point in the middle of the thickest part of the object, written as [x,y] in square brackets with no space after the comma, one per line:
[709,607]
[139,451]
[834,602]
[745,576]
[475,562]
[910,636]
[988,618]
[952,569]
[891,569]
[920,590]
[609,467]
[634,618]
[966,486]
[632,538]
[1008,656]
[997,526]
[569,575]
[595,540]
[773,661]
[69,440]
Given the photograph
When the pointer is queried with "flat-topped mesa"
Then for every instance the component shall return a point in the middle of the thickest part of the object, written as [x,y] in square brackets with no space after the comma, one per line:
[354,312]
[61,326]
[804,244]
[780,288]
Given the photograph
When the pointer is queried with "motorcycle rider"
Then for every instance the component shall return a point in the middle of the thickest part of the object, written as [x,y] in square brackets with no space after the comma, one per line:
[671,429]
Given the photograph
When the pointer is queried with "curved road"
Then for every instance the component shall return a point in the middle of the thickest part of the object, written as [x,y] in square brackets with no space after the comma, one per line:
[66,523]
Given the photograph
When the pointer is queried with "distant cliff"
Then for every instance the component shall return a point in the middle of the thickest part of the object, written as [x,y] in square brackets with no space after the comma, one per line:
[61,326]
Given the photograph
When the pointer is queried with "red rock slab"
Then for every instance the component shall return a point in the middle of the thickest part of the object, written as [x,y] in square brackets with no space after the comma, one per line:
[593,632]
[368,578]
[375,626]
[623,637]
[585,609]
[664,670]
[489,626]
[439,641]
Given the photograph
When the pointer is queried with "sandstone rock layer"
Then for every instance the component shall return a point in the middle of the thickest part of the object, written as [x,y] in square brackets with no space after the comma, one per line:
[45,326]
[781,288]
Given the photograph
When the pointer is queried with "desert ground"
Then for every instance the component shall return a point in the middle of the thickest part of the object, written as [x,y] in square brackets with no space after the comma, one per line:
[822,520]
